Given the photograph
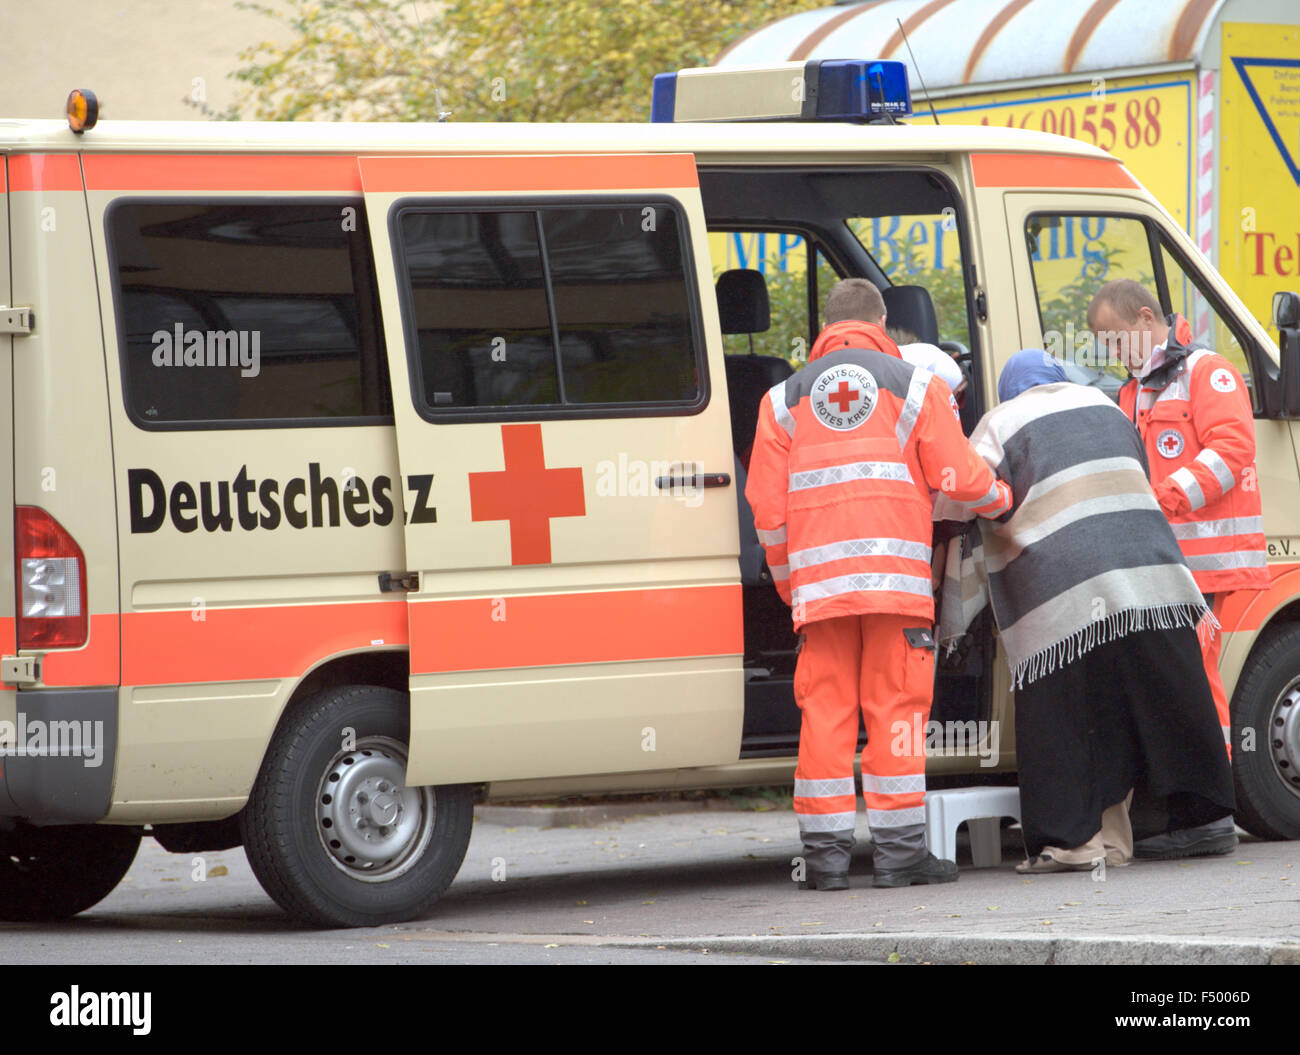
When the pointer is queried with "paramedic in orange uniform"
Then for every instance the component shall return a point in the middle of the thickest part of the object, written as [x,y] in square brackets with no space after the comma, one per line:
[845,456]
[1193,412]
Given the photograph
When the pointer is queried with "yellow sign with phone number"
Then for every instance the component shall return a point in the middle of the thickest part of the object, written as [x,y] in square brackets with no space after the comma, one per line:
[1146,122]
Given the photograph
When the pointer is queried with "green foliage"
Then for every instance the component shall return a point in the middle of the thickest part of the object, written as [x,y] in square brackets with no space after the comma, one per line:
[484,60]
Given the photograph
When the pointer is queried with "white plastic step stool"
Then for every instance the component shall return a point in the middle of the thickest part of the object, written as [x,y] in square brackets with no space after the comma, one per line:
[982,809]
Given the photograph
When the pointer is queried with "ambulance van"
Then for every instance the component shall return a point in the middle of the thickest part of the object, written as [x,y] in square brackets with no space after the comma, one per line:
[364,472]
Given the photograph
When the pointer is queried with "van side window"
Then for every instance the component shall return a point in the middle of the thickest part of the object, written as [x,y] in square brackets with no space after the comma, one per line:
[797,275]
[244,314]
[550,310]
[922,249]
[1074,255]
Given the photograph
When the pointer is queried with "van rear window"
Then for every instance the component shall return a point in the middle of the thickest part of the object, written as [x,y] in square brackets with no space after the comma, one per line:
[548,311]
[245,314]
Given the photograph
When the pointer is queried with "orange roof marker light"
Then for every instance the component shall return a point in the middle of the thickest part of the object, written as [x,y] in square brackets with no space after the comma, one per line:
[83,110]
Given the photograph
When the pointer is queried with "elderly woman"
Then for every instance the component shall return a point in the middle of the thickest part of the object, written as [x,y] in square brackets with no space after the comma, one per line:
[1097,614]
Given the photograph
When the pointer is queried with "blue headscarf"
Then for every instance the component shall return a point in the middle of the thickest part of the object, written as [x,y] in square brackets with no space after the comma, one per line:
[1028,368]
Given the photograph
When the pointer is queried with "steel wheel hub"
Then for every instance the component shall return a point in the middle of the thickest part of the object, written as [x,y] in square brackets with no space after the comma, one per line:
[373,827]
[1284,738]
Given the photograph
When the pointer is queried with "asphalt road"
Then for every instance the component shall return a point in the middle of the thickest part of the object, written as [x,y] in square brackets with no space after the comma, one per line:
[703,887]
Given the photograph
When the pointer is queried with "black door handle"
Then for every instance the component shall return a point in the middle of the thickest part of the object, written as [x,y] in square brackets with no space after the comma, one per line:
[665,483]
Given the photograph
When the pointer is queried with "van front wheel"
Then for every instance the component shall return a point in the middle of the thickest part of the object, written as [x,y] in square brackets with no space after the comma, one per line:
[1266,737]
[332,832]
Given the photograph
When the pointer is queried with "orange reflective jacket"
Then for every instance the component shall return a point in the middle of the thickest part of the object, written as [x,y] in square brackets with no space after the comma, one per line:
[1195,418]
[845,456]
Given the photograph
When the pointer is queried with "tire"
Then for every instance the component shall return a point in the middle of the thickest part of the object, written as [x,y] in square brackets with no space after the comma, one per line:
[1267,700]
[332,835]
[55,872]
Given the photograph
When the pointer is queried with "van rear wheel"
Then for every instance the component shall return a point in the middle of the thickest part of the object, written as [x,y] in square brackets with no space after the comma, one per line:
[55,872]
[331,831]
[1266,719]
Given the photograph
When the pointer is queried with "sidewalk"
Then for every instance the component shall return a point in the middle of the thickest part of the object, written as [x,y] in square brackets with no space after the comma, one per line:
[720,879]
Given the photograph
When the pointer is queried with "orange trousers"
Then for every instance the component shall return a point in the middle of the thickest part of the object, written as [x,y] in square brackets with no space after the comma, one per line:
[863,664]
[1210,648]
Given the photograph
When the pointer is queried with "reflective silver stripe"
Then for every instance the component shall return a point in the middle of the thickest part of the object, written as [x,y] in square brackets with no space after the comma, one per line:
[1220,528]
[779,410]
[1225,561]
[826,822]
[771,538]
[990,495]
[912,407]
[1184,478]
[839,474]
[859,547]
[1227,733]
[824,789]
[842,584]
[896,818]
[1211,460]
[893,785]
[780,572]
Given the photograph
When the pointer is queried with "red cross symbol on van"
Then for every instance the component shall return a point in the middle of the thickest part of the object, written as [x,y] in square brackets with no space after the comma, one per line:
[527,494]
[843,397]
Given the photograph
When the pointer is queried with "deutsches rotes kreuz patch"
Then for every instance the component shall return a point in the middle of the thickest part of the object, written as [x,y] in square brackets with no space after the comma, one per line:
[844,397]
[1222,381]
[1170,443]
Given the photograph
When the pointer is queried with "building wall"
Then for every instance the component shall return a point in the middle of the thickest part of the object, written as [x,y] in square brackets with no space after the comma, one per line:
[141,57]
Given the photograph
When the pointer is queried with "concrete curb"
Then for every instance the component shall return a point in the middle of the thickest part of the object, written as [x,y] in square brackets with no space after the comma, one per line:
[1136,949]
[594,815]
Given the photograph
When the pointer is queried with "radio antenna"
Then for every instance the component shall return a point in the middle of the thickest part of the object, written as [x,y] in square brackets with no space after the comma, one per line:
[916,67]
[419,34]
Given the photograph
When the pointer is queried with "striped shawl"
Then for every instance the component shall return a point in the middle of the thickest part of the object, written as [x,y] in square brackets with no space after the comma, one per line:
[1085,556]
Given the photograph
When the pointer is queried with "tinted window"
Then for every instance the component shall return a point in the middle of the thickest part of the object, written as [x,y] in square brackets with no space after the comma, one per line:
[620,305]
[247,312]
[549,308]
[1074,255]
[479,302]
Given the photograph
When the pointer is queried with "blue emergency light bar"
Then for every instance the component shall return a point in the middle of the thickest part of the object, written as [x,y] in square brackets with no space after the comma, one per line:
[823,90]
[850,90]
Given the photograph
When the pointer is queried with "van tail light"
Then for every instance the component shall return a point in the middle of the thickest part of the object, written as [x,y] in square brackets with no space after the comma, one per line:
[50,576]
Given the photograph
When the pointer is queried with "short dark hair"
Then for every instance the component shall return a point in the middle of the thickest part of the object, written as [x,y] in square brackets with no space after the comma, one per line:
[1125,297]
[854,298]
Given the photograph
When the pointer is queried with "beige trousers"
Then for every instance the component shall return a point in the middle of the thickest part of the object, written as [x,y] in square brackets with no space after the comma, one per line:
[1114,841]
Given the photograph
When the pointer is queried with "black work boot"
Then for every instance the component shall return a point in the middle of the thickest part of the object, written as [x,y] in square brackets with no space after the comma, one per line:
[825,881]
[1208,840]
[929,869]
